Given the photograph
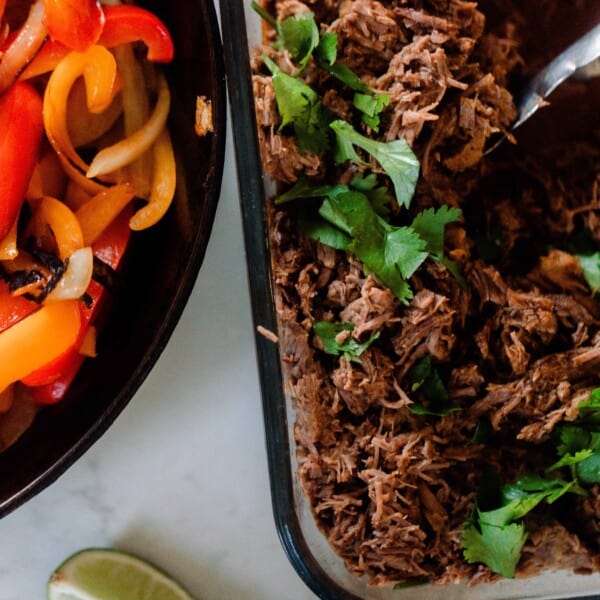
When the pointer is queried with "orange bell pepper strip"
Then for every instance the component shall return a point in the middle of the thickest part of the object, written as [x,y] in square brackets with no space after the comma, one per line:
[37,339]
[50,383]
[21,128]
[123,24]
[98,212]
[77,24]
[50,371]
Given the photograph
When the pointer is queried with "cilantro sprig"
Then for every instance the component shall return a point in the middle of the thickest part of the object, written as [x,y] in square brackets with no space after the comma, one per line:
[300,107]
[396,158]
[496,535]
[334,342]
[298,34]
[353,220]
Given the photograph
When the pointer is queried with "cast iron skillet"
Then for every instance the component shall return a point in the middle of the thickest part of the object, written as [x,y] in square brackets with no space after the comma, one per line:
[158,274]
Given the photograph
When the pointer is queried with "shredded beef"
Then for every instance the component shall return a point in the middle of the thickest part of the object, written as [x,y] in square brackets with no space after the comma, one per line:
[517,344]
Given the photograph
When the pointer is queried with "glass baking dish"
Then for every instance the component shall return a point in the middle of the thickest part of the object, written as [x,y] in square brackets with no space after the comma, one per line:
[306,547]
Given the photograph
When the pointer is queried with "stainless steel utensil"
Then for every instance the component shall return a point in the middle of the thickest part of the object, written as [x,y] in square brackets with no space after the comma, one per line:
[581,60]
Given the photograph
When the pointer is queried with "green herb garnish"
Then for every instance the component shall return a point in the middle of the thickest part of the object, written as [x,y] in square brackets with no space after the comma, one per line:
[495,537]
[590,265]
[396,158]
[349,347]
[425,378]
[298,34]
[300,107]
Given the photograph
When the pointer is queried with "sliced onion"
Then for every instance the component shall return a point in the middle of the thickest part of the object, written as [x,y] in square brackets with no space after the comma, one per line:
[126,151]
[76,279]
[28,41]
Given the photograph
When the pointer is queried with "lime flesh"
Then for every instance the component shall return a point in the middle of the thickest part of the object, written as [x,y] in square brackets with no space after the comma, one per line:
[98,574]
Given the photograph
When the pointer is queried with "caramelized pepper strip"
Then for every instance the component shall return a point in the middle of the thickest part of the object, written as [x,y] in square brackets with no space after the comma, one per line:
[22,129]
[123,24]
[37,339]
[163,185]
[77,24]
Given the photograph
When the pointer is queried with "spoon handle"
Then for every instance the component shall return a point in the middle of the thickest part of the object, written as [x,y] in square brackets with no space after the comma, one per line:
[577,56]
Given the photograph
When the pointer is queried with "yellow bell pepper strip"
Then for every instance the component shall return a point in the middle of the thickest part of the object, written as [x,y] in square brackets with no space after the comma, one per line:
[62,222]
[77,24]
[101,210]
[37,339]
[123,24]
[23,46]
[131,148]
[163,185]
[99,70]
[22,129]
[50,175]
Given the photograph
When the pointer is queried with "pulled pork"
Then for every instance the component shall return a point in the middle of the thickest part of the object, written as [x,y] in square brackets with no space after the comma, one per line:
[518,347]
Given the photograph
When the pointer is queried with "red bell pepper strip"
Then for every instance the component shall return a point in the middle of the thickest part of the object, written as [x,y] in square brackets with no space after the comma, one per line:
[21,130]
[51,382]
[126,23]
[123,24]
[13,308]
[77,24]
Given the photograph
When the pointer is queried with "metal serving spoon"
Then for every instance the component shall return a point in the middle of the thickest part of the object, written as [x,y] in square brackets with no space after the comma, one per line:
[581,60]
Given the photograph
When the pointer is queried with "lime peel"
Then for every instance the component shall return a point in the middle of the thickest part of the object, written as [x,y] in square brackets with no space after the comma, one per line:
[107,574]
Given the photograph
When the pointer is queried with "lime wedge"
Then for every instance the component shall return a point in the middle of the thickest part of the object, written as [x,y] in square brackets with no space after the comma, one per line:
[98,574]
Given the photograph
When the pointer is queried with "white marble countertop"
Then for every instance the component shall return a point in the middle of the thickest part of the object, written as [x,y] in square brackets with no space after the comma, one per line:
[181,476]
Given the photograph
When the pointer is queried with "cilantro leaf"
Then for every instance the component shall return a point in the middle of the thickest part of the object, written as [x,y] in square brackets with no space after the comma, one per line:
[588,470]
[326,56]
[495,537]
[320,230]
[298,34]
[589,410]
[349,347]
[326,51]
[371,105]
[304,189]
[392,253]
[300,107]
[590,265]
[569,460]
[396,158]
[430,225]
[425,378]
[497,547]
[378,196]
